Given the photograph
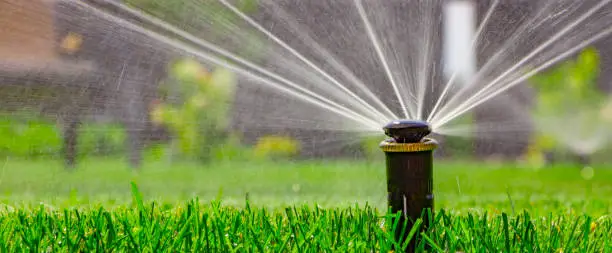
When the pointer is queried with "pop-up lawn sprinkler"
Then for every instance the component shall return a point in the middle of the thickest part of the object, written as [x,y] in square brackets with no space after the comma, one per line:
[409,158]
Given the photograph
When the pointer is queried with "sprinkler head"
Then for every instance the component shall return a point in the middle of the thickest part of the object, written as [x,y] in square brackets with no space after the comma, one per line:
[407,131]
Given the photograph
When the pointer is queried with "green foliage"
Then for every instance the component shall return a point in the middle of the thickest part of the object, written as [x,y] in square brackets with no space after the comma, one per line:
[232,150]
[200,121]
[567,94]
[102,139]
[23,136]
[27,135]
[276,147]
[571,84]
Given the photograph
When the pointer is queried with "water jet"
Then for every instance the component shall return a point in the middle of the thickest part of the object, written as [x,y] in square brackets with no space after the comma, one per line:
[409,160]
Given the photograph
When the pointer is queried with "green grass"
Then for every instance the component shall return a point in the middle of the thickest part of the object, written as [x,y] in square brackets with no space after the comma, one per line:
[214,228]
[459,186]
[306,206]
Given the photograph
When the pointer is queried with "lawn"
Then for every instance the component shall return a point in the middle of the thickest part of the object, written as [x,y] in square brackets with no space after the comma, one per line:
[459,186]
[305,206]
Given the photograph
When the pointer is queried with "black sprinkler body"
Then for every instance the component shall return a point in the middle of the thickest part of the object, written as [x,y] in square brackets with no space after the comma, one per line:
[409,158]
[407,131]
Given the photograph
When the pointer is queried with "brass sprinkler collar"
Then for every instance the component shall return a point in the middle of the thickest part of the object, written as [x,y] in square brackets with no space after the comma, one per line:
[391,146]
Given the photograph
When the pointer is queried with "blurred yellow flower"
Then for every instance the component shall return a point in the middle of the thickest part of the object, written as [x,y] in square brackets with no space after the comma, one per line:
[72,43]
[275,146]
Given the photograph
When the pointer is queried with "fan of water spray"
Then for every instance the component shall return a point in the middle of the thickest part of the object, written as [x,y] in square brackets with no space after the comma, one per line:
[351,65]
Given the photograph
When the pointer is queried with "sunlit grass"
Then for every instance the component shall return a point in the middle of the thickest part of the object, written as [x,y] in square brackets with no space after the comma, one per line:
[215,228]
[305,206]
[459,186]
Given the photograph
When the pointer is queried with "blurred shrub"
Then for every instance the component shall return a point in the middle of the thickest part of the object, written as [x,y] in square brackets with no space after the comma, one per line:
[102,139]
[199,116]
[570,85]
[26,135]
[275,147]
[567,97]
[233,150]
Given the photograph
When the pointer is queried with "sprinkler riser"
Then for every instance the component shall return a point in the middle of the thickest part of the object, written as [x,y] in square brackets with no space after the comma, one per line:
[410,182]
[409,170]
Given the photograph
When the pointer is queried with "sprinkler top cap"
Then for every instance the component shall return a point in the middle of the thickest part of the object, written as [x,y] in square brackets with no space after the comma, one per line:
[407,131]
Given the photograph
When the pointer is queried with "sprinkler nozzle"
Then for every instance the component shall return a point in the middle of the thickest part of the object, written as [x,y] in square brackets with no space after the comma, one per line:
[407,131]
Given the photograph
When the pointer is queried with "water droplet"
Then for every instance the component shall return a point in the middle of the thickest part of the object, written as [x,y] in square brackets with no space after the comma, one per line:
[587,173]
[296,187]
